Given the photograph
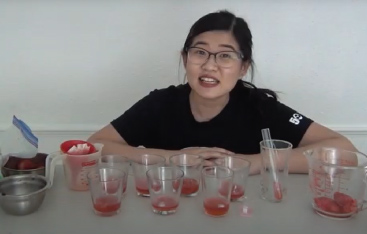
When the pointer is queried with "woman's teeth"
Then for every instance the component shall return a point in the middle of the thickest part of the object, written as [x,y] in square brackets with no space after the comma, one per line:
[208,80]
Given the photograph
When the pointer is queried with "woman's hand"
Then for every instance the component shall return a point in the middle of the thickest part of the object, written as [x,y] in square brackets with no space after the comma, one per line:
[209,154]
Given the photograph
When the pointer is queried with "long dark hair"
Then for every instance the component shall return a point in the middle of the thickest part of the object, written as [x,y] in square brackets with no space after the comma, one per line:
[227,21]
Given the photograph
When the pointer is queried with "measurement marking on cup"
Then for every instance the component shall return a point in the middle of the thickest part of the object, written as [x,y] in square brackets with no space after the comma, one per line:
[328,189]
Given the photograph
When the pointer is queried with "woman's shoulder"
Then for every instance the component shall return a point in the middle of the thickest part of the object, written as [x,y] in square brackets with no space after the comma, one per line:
[255,96]
[161,97]
[170,92]
[260,102]
[266,108]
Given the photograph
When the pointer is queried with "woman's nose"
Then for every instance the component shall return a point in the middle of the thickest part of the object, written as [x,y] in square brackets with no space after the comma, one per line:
[210,64]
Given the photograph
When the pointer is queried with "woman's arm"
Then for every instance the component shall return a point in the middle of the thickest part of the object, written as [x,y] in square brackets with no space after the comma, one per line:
[315,136]
[115,144]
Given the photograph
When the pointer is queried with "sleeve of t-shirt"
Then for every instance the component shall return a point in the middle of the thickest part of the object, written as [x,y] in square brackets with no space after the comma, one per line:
[286,123]
[137,124]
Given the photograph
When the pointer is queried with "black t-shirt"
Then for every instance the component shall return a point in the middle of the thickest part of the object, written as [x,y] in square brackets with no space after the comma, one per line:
[163,120]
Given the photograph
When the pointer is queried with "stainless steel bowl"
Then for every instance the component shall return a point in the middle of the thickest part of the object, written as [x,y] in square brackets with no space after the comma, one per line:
[22,194]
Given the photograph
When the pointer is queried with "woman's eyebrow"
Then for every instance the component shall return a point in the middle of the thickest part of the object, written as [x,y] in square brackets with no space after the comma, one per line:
[221,45]
[227,46]
[200,43]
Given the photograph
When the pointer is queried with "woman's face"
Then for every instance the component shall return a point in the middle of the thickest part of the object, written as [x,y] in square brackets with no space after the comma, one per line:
[213,78]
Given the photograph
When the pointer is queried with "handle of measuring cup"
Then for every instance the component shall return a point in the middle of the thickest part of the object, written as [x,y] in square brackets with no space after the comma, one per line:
[364,203]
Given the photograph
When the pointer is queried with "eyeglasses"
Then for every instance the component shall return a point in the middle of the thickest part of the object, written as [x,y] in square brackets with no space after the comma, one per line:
[226,59]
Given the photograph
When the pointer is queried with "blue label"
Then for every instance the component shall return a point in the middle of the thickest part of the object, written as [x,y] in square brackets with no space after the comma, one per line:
[26,131]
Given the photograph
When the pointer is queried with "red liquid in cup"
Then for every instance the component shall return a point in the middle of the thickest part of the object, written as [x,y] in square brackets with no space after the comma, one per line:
[277,191]
[164,203]
[189,186]
[107,204]
[216,206]
[141,185]
[237,190]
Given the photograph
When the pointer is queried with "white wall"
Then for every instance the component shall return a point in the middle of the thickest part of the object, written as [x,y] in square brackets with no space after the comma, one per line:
[76,65]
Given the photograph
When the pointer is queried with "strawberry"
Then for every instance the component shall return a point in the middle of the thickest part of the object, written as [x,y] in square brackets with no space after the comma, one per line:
[26,164]
[345,201]
[327,204]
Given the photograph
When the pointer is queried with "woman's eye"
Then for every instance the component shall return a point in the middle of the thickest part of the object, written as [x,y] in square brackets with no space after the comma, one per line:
[200,52]
[226,55]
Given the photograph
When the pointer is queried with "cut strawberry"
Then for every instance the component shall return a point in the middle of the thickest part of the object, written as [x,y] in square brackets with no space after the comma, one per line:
[26,164]
[346,202]
[327,204]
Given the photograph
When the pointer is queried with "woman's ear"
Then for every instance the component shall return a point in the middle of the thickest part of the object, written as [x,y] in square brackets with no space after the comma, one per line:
[184,58]
[244,68]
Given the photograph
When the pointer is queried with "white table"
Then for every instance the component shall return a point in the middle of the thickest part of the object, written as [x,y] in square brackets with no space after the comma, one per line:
[68,212]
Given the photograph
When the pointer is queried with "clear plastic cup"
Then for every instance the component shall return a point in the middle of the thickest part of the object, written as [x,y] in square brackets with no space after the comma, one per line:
[241,168]
[217,187]
[116,161]
[106,185]
[141,165]
[274,169]
[165,185]
[191,165]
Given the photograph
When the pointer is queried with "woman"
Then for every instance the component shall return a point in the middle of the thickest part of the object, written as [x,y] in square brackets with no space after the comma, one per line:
[216,113]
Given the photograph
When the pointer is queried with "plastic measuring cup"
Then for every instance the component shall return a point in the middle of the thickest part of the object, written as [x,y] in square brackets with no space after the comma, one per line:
[337,180]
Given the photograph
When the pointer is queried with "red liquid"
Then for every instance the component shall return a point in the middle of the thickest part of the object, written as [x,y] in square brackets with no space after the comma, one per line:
[107,204]
[141,185]
[124,188]
[189,186]
[277,191]
[164,203]
[216,206]
[237,190]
